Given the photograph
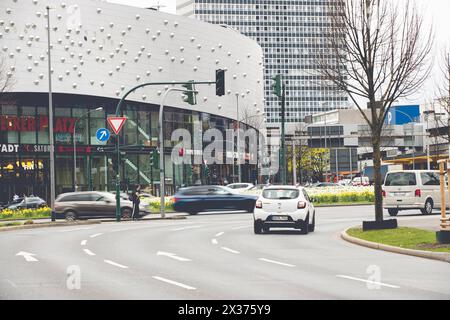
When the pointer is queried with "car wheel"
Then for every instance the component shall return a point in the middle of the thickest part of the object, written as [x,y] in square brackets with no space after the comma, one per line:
[266,229]
[257,227]
[192,213]
[126,214]
[70,216]
[393,212]
[312,226]
[305,226]
[428,209]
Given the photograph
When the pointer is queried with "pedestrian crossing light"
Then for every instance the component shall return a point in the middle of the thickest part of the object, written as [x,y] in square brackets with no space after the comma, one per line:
[277,85]
[190,95]
[220,82]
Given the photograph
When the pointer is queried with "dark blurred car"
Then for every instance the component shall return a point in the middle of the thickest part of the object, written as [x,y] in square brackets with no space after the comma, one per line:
[26,203]
[94,204]
[325,185]
[212,198]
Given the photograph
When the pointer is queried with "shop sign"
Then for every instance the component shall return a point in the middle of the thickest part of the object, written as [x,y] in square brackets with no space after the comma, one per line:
[27,124]
[41,148]
[9,148]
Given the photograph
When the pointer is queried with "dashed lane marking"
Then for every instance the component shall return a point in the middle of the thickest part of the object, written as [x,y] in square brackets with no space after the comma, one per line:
[115,264]
[277,262]
[174,283]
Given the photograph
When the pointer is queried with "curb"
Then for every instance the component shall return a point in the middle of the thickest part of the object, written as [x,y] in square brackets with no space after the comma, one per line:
[49,225]
[440,256]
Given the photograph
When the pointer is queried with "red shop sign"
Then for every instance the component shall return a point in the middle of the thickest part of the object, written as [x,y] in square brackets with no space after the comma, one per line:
[27,124]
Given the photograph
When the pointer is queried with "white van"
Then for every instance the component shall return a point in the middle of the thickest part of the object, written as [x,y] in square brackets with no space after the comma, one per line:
[412,189]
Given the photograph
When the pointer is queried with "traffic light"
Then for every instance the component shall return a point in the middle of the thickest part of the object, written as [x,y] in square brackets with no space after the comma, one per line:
[220,82]
[154,159]
[277,86]
[190,95]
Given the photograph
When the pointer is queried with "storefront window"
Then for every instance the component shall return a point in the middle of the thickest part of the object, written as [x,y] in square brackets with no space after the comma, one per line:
[99,170]
[64,174]
[7,136]
[81,117]
[131,127]
[97,121]
[144,129]
[145,170]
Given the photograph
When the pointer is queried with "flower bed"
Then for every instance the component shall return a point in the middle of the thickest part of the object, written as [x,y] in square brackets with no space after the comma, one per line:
[155,204]
[336,195]
[7,214]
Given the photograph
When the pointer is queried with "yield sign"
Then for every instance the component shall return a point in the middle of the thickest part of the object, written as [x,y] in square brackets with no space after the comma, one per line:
[116,123]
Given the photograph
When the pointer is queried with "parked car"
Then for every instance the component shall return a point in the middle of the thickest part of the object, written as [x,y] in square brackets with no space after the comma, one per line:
[212,198]
[93,204]
[27,203]
[284,207]
[361,182]
[412,190]
[241,186]
[324,185]
[345,182]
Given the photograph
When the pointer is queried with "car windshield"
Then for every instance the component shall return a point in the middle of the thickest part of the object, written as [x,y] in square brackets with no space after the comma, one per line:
[400,179]
[280,194]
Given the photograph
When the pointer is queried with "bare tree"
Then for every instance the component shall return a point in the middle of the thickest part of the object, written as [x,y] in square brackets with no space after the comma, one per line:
[442,105]
[6,81]
[378,52]
[252,118]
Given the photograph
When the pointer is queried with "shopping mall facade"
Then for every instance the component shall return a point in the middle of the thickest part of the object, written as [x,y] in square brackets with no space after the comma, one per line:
[100,51]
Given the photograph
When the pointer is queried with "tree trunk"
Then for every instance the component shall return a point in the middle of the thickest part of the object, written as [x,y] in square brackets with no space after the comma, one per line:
[376,142]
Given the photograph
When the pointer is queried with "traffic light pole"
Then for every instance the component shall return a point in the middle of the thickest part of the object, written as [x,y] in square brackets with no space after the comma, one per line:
[118,110]
[283,141]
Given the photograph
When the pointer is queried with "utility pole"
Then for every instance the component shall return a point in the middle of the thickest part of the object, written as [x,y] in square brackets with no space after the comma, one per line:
[50,120]
[294,162]
[283,138]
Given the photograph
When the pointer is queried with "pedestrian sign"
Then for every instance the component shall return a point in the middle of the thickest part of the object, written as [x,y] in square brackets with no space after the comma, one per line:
[116,123]
[103,135]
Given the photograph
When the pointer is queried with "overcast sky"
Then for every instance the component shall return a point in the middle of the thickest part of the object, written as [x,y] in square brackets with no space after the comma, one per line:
[435,11]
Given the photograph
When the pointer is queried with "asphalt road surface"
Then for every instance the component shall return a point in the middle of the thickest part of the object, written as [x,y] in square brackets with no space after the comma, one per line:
[213,256]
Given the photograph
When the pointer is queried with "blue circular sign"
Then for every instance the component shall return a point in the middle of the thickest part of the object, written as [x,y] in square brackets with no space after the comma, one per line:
[103,135]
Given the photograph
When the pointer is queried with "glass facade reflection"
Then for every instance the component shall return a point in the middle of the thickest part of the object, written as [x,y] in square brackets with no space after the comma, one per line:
[24,147]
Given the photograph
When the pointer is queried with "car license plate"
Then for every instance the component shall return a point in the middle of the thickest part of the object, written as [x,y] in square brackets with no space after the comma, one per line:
[399,194]
[279,218]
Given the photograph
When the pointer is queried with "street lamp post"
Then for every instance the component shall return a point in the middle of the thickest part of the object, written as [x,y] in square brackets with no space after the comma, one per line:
[50,118]
[238,144]
[75,147]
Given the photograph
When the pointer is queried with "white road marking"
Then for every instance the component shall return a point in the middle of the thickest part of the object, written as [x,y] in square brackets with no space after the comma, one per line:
[115,264]
[84,242]
[230,250]
[89,252]
[28,256]
[277,262]
[96,235]
[368,281]
[172,255]
[174,283]
[186,228]
[220,234]
[11,283]
[77,229]
[214,241]
[239,228]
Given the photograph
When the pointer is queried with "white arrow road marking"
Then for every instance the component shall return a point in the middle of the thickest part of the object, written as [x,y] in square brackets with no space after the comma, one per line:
[172,255]
[28,256]
[89,252]
[186,228]
[84,242]
[230,250]
[174,283]
[115,264]
[277,262]
[368,281]
[214,241]
[96,235]
[220,234]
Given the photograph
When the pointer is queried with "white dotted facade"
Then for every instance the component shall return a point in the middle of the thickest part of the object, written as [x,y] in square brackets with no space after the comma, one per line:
[102,49]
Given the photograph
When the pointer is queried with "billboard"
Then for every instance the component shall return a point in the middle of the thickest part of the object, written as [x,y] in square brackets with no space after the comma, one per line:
[400,115]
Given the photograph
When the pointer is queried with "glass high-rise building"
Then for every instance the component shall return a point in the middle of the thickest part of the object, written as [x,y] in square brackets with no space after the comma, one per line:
[291,33]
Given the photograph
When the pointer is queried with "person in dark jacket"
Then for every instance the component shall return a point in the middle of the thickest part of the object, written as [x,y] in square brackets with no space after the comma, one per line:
[136,201]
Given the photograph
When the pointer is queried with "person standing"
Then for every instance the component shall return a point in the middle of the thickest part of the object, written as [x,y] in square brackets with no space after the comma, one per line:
[136,201]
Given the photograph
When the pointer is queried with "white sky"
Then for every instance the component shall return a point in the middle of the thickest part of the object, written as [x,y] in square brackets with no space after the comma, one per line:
[436,12]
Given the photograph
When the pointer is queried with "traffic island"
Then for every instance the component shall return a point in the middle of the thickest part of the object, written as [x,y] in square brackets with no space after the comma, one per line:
[407,241]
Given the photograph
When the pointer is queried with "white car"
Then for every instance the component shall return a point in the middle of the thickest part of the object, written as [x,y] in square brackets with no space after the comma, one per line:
[412,190]
[241,186]
[284,207]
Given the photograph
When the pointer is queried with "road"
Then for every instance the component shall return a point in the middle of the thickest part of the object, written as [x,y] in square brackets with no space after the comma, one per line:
[212,256]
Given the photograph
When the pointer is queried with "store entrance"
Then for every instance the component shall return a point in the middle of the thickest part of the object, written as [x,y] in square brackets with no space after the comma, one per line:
[25,176]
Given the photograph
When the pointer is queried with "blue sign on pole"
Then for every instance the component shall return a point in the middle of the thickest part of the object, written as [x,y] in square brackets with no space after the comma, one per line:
[103,135]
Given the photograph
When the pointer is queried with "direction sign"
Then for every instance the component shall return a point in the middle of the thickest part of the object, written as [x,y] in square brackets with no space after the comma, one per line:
[116,123]
[103,135]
